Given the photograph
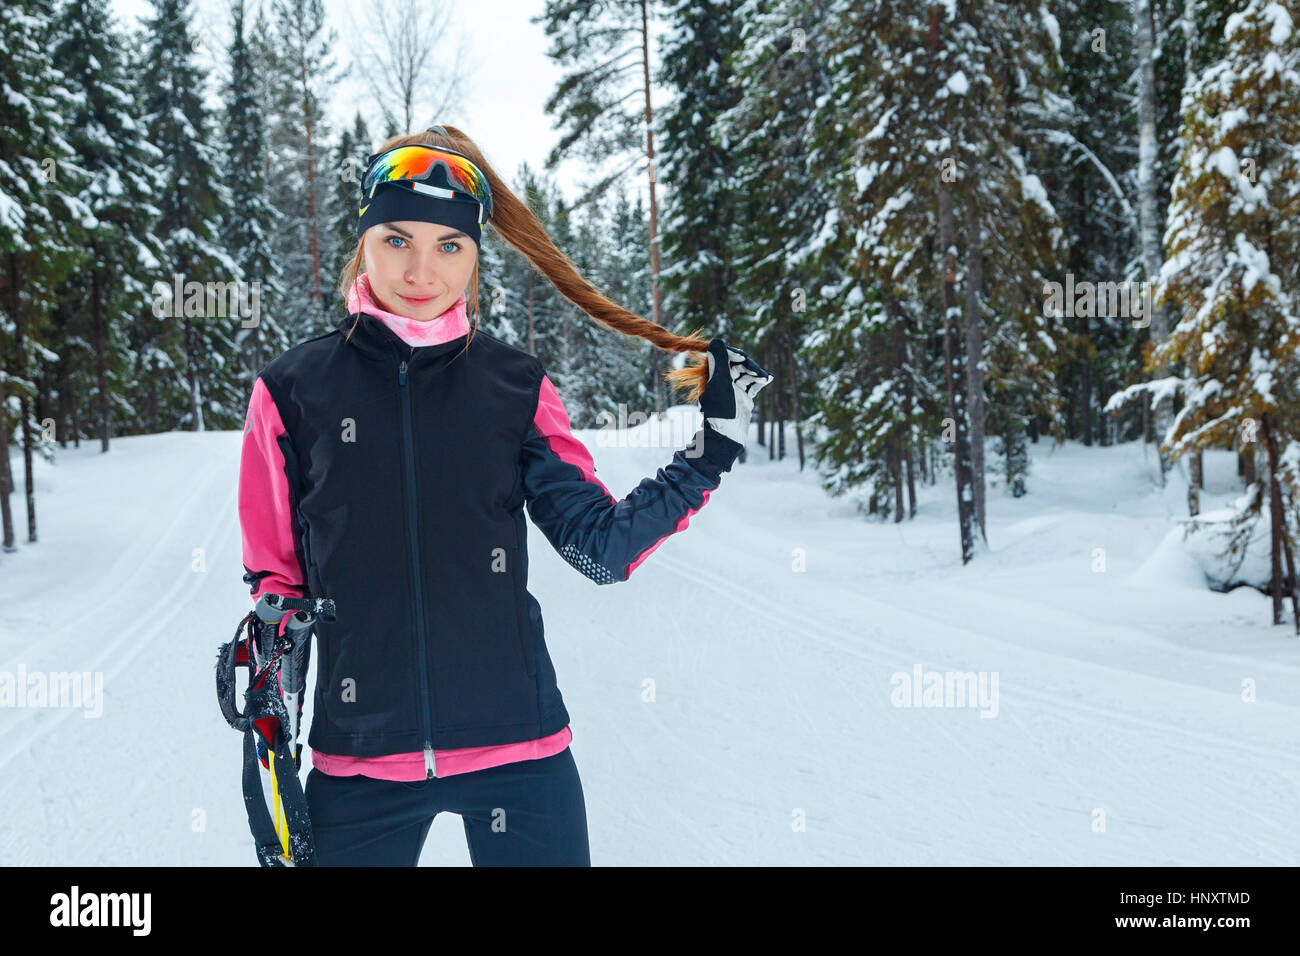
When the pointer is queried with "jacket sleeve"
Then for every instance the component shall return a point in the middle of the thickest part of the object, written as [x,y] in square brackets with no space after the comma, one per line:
[605,538]
[272,553]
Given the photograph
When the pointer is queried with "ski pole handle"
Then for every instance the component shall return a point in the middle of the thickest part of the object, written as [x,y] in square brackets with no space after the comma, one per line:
[273,607]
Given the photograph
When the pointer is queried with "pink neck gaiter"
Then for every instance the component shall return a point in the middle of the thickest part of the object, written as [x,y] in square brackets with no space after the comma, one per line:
[452,324]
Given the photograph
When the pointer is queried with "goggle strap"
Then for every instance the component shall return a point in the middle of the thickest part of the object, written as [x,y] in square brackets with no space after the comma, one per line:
[437,191]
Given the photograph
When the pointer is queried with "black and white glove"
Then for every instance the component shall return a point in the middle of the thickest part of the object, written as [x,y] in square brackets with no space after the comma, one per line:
[728,400]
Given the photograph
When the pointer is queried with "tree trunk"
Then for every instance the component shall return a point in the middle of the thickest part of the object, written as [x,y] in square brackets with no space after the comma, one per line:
[952,375]
[192,359]
[778,399]
[1276,518]
[1291,582]
[62,408]
[101,360]
[6,475]
[24,410]
[314,223]
[656,294]
[1195,466]
[793,385]
[902,366]
[974,371]
[192,365]
[1085,382]
[1085,362]
[896,470]
[532,337]
[911,481]
[1246,461]
[1149,224]
[6,486]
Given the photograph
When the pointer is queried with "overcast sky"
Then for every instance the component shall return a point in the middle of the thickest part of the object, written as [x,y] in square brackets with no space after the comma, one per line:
[503,104]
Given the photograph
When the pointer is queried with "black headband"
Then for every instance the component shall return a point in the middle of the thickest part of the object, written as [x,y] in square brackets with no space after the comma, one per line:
[393,204]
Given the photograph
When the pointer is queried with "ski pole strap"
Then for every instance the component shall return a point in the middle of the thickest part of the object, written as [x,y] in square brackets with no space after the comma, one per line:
[278,816]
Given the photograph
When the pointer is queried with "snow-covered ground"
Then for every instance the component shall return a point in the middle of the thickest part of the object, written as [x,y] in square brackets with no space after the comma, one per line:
[1137,718]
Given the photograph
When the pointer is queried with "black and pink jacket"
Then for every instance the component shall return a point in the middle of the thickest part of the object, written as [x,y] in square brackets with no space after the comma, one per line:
[392,477]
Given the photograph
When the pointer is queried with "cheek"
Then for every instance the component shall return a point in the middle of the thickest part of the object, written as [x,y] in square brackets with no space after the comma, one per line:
[381,263]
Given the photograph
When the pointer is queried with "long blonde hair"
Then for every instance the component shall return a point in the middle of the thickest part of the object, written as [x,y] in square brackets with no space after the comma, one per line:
[515,223]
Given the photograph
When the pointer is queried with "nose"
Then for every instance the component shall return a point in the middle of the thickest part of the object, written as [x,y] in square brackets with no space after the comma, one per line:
[422,273]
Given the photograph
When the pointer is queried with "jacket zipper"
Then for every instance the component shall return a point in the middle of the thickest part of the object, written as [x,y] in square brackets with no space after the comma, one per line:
[408,450]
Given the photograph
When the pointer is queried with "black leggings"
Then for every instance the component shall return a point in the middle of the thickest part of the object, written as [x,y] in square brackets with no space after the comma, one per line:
[527,813]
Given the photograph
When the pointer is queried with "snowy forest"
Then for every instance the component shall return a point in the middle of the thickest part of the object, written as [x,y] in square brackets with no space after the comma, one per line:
[1025,272]
[955,231]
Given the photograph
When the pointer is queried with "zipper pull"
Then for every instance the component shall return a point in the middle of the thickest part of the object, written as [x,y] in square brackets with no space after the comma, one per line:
[428,760]
[401,373]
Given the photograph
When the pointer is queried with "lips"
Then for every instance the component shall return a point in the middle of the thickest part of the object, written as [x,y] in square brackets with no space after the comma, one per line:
[422,300]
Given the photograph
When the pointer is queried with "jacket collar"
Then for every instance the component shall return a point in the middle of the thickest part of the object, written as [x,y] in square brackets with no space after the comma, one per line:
[375,340]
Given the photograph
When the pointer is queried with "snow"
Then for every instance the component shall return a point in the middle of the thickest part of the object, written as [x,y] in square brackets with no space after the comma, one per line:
[1272,65]
[1256,266]
[19,101]
[1280,20]
[958,83]
[1230,120]
[11,213]
[1224,161]
[1274,15]
[1052,27]
[882,125]
[1118,690]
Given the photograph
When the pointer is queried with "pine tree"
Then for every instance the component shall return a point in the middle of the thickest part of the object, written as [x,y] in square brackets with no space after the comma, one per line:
[603,108]
[189,372]
[344,173]
[123,255]
[519,304]
[1093,145]
[928,112]
[303,70]
[251,220]
[625,277]
[784,214]
[609,390]
[43,223]
[1233,242]
[698,167]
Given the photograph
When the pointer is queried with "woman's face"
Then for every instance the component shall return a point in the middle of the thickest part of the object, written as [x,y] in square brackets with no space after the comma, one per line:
[418,269]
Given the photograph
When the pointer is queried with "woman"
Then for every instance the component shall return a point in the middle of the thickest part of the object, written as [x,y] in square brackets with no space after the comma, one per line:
[386,465]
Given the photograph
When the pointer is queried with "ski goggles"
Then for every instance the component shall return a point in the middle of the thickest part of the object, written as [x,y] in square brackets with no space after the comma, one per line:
[431,171]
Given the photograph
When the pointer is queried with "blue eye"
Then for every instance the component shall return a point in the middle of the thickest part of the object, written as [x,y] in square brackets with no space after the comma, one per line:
[455,246]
